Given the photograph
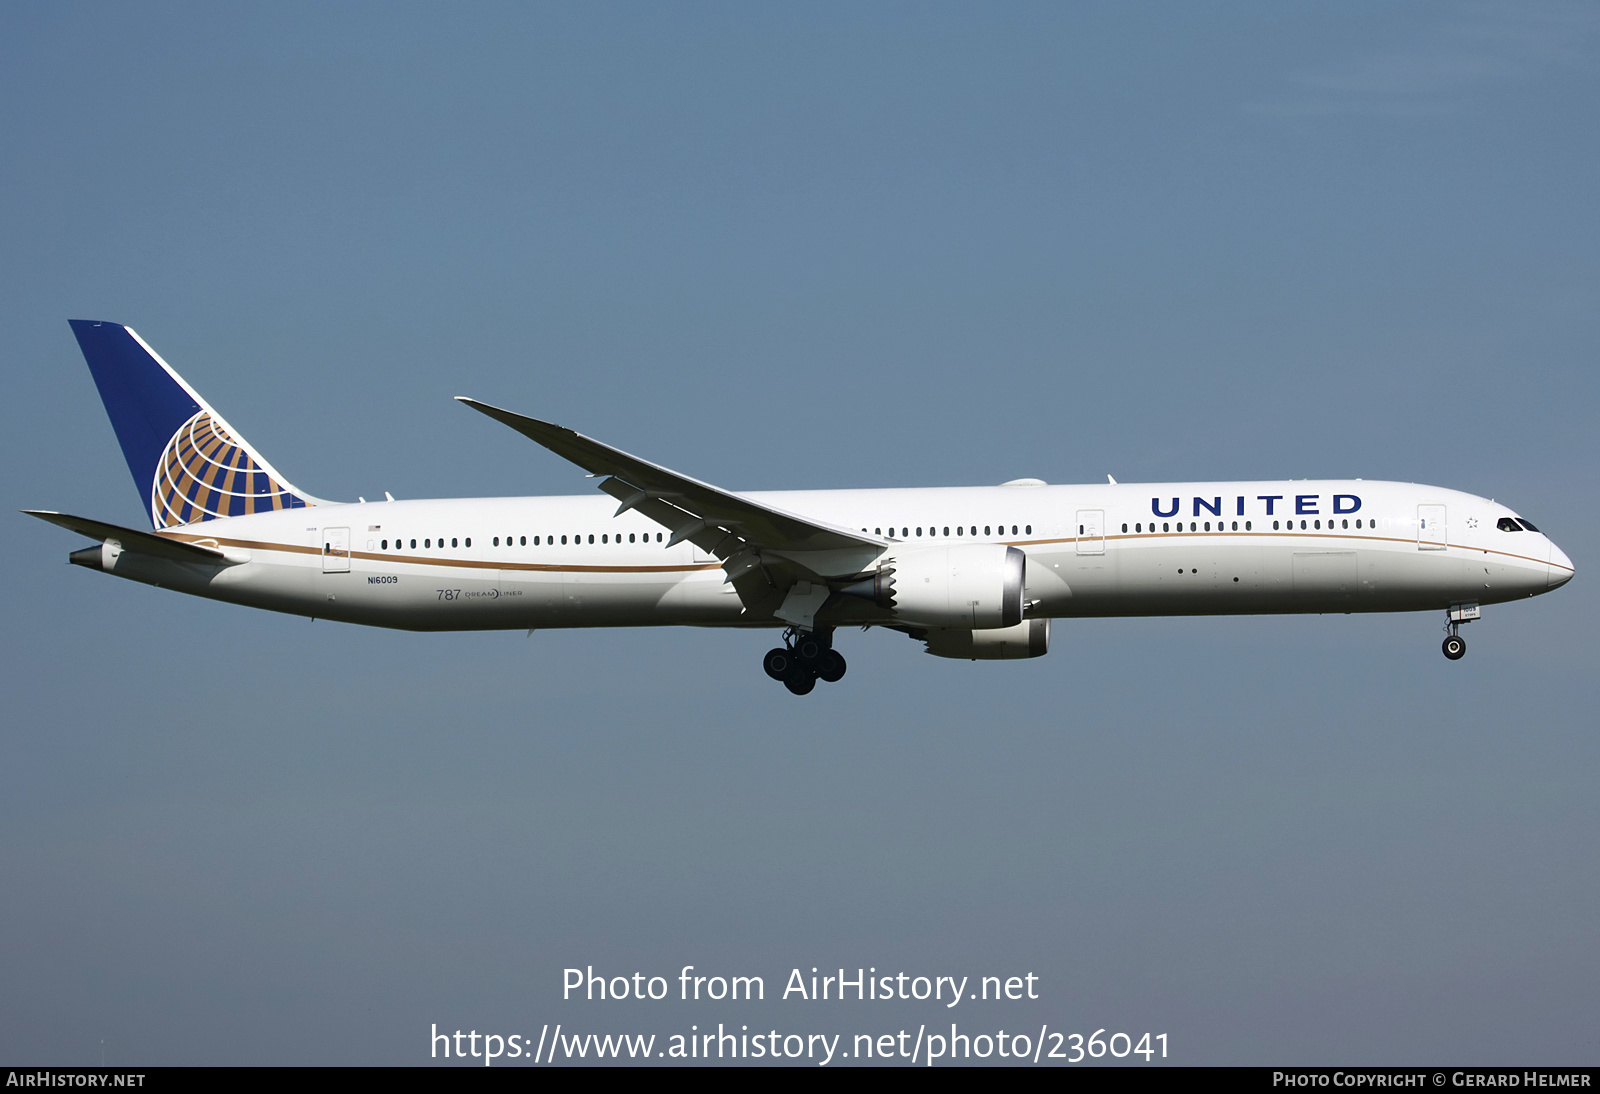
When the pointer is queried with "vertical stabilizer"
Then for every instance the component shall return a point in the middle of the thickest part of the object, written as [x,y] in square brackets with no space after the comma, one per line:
[188,463]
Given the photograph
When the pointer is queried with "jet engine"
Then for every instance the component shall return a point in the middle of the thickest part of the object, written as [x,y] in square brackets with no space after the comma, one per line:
[966,585]
[1030,638]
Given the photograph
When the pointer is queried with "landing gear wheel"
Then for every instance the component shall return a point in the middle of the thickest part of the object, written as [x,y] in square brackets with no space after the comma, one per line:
[809,647]
[831,666]
[799,681]
[778,662]
[1455,647]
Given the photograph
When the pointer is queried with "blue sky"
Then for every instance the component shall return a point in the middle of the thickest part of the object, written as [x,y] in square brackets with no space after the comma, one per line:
[817,246]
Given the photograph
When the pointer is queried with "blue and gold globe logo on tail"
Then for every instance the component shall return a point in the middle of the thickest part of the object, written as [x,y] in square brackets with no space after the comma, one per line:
[205,473]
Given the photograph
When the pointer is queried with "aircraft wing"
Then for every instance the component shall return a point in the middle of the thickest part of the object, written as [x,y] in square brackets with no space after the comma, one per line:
[147,543]
[716,520]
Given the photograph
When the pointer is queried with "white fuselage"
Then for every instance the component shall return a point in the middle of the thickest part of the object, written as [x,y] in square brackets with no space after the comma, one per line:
[1092,550]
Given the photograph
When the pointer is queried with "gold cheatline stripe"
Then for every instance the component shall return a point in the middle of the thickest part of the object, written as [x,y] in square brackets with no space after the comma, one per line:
[1322,535]
[422,560]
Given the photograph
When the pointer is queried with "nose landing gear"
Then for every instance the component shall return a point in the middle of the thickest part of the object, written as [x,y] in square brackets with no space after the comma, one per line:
[803,659]
[1455,647]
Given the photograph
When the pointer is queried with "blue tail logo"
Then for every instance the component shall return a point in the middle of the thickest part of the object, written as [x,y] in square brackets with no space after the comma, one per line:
[187,461]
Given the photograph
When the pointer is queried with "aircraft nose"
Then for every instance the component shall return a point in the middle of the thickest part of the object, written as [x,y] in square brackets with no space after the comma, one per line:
[1561,568]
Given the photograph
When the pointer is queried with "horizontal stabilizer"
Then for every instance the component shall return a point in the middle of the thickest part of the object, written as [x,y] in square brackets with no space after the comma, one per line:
[145,543]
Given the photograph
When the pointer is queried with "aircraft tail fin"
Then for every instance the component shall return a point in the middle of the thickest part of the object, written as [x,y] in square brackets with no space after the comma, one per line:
[187,462]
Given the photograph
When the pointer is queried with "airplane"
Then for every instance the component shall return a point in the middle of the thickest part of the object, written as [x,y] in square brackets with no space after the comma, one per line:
[974,573]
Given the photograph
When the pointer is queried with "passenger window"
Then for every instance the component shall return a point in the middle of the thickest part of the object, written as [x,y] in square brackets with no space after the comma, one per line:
[469,541]
[947,529]
[919,529]
[1191,526]
[1528,526]
[1208,526]
[1344,524]
[1028,530]
[1164,527]
[525,541]
[591,538]
[385,545]
[427,543]
[958,529]
[1274,526]
[535,541]
[604,539]
[413,545]
[563,541]
[1318,524]
[1246,526]
[1080,529]
[1124,528]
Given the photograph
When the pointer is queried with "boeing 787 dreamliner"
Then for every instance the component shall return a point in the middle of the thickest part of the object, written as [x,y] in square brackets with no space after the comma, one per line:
[974,572]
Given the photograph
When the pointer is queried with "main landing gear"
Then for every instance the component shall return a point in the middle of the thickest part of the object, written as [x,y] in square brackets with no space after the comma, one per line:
[1455,647]
[803,659]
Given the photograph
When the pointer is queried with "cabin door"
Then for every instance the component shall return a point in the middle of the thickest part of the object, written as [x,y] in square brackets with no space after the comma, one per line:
[1091,531]
[336,550]
[1432,528]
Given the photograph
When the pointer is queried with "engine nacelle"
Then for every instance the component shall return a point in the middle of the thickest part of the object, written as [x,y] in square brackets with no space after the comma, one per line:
[1030,638]
[966,585]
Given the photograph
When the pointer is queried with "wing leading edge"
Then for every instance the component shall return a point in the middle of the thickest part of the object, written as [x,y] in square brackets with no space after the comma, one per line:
[764,550]
[696,511]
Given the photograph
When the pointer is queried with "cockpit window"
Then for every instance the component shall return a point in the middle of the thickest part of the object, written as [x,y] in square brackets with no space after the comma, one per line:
[1528,526]
[1507,524]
